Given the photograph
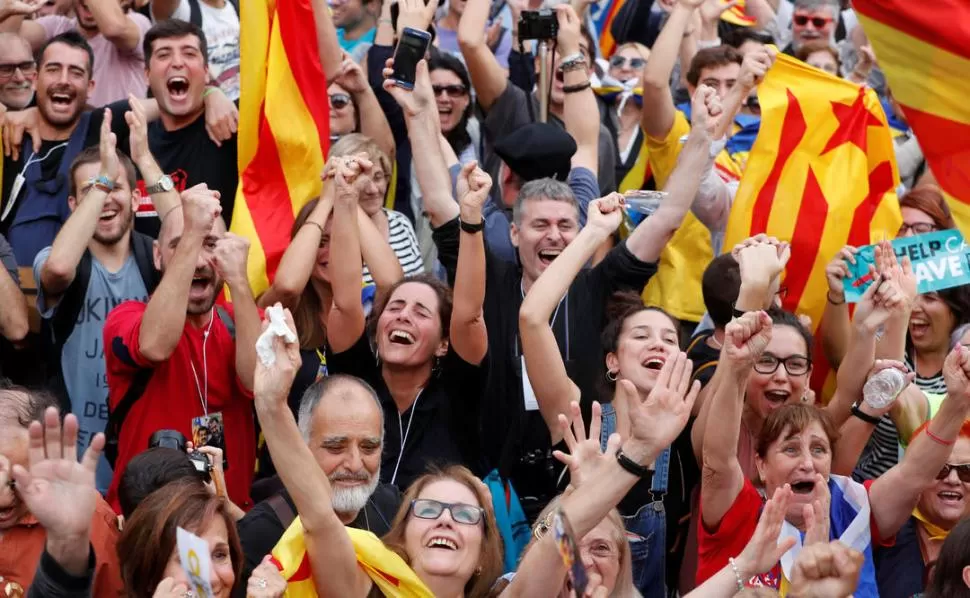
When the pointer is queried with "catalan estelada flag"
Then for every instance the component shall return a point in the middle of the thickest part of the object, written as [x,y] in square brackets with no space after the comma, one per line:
[924,52]
[736,15]
[602,15]
[284,127]
[392,576]
[821,174]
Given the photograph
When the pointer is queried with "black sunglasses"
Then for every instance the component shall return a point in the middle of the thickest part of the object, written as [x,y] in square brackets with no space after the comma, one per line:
[452,91]
[621,61]
[28,68]
[962,469]
[426,508]
[339,100]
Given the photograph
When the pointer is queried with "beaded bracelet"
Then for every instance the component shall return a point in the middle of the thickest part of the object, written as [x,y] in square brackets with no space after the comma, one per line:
[737,573]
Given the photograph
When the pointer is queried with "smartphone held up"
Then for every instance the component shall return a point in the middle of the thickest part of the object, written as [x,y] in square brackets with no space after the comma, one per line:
[411,48]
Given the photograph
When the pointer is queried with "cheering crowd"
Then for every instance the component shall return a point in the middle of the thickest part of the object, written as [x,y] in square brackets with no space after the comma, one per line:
[566,423]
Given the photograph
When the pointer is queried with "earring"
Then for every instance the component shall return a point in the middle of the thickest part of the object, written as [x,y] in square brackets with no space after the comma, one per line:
[611,375]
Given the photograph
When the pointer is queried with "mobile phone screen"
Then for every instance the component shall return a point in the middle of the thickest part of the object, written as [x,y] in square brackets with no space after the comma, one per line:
[410,49]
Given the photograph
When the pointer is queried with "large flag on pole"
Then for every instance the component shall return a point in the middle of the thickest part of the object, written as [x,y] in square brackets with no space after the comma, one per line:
[284,127]
[923,50]
[821,174]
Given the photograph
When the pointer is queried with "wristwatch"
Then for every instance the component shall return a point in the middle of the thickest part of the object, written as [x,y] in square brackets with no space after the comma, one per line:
[164,184]
[870,419]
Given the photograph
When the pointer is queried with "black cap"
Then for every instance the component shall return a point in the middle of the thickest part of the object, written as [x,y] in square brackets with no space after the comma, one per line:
[537,151]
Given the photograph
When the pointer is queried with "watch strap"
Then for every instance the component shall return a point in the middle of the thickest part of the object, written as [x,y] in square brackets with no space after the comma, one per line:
[872,419]
[471,228]
[632,466]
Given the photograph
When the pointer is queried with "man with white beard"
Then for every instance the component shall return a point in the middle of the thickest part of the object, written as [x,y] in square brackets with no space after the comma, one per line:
[343,424]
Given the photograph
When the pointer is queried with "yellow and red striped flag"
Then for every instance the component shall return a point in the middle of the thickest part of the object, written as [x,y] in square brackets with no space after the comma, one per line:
[923,50]
[284,127]
[392,576]
[736,15]
[821,174]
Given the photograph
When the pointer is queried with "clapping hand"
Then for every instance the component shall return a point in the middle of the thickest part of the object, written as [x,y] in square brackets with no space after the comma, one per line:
[271,384]
[763,550]
[657,421]
[745,340]
[900,273]
[585,452]
[761,260]
[137,132]
[107,151]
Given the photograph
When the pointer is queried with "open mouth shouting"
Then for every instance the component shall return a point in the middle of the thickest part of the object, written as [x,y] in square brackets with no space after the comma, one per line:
[803,487]
[400,337]
[918,327]
[442,543]
[777,397]
[654,362]
[178,88]
[547,256]
[202,284]
[950,498]
[62,98]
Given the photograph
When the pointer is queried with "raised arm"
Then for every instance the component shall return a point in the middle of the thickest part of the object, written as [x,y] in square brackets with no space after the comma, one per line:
[894,494]
[753,68]
[578,105]
[383,264]
[59,270]
[346,321]
[333,561]
[652,235]
[163,9]
[138,118]
[327,44]
[468,335]
[421,115]
[543,360]
[12,13]
[114,24]
[296,265]
[230,257]
[745,339]
[834,328]
[657,116]
[373,123]
[655,423]
[488,77]
[164,318]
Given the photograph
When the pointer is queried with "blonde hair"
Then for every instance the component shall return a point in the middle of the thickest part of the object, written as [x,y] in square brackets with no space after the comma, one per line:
[356,143]
[642,50]
[623,588]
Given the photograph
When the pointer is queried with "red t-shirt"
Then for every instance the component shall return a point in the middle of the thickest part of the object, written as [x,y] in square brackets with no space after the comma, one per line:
[716,546]
[172,399]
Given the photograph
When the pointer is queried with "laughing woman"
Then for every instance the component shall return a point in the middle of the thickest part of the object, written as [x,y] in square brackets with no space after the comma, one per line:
[424,349]
[794,448]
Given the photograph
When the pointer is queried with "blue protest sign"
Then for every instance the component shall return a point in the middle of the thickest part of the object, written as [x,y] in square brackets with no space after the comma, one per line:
[940,261]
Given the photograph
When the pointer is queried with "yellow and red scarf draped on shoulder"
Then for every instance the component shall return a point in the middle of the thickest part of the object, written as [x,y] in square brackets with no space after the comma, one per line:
[387,570]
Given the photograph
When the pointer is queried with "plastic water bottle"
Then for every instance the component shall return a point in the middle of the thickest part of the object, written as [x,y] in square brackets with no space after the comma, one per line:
[882,389]
[644,202]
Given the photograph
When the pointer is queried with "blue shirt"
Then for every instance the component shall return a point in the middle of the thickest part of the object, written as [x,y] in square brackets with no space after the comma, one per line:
[357,48]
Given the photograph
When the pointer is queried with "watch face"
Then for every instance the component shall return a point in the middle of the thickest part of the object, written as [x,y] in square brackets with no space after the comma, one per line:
[166,183]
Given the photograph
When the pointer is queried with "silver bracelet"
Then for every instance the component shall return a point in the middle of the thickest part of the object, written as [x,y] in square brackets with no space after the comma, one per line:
[737,573]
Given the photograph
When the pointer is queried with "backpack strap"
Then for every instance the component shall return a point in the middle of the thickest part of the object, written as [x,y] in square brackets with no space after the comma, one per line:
[116,416]
[284,512]
[223,314]
[142,247]
[195,13]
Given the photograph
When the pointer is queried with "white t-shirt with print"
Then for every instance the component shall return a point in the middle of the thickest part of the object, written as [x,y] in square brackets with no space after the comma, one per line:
[221,28]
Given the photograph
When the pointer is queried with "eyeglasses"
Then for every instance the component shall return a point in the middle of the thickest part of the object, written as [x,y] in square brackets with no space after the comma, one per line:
[962,469]
[795,365]
[599,550]
[817,22]
[620,62]
[339,100]
[918,228]
[452,91]
[426,508]
[28,68]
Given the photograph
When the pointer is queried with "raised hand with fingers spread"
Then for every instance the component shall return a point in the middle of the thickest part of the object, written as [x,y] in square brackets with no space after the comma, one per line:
[585,452]
[661,417]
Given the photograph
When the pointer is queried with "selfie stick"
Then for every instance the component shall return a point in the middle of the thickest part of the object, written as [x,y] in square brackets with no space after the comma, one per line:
[543,82]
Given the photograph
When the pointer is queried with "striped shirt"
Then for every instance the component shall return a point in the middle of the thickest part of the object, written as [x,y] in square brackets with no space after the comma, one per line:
[882,451]
[403,242]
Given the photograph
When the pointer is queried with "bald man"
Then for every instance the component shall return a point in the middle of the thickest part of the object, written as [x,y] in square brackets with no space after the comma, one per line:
[18,72]
[180,361]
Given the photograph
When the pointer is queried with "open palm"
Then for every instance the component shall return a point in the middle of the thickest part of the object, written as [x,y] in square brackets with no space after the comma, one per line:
[58,490]
[661,417]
